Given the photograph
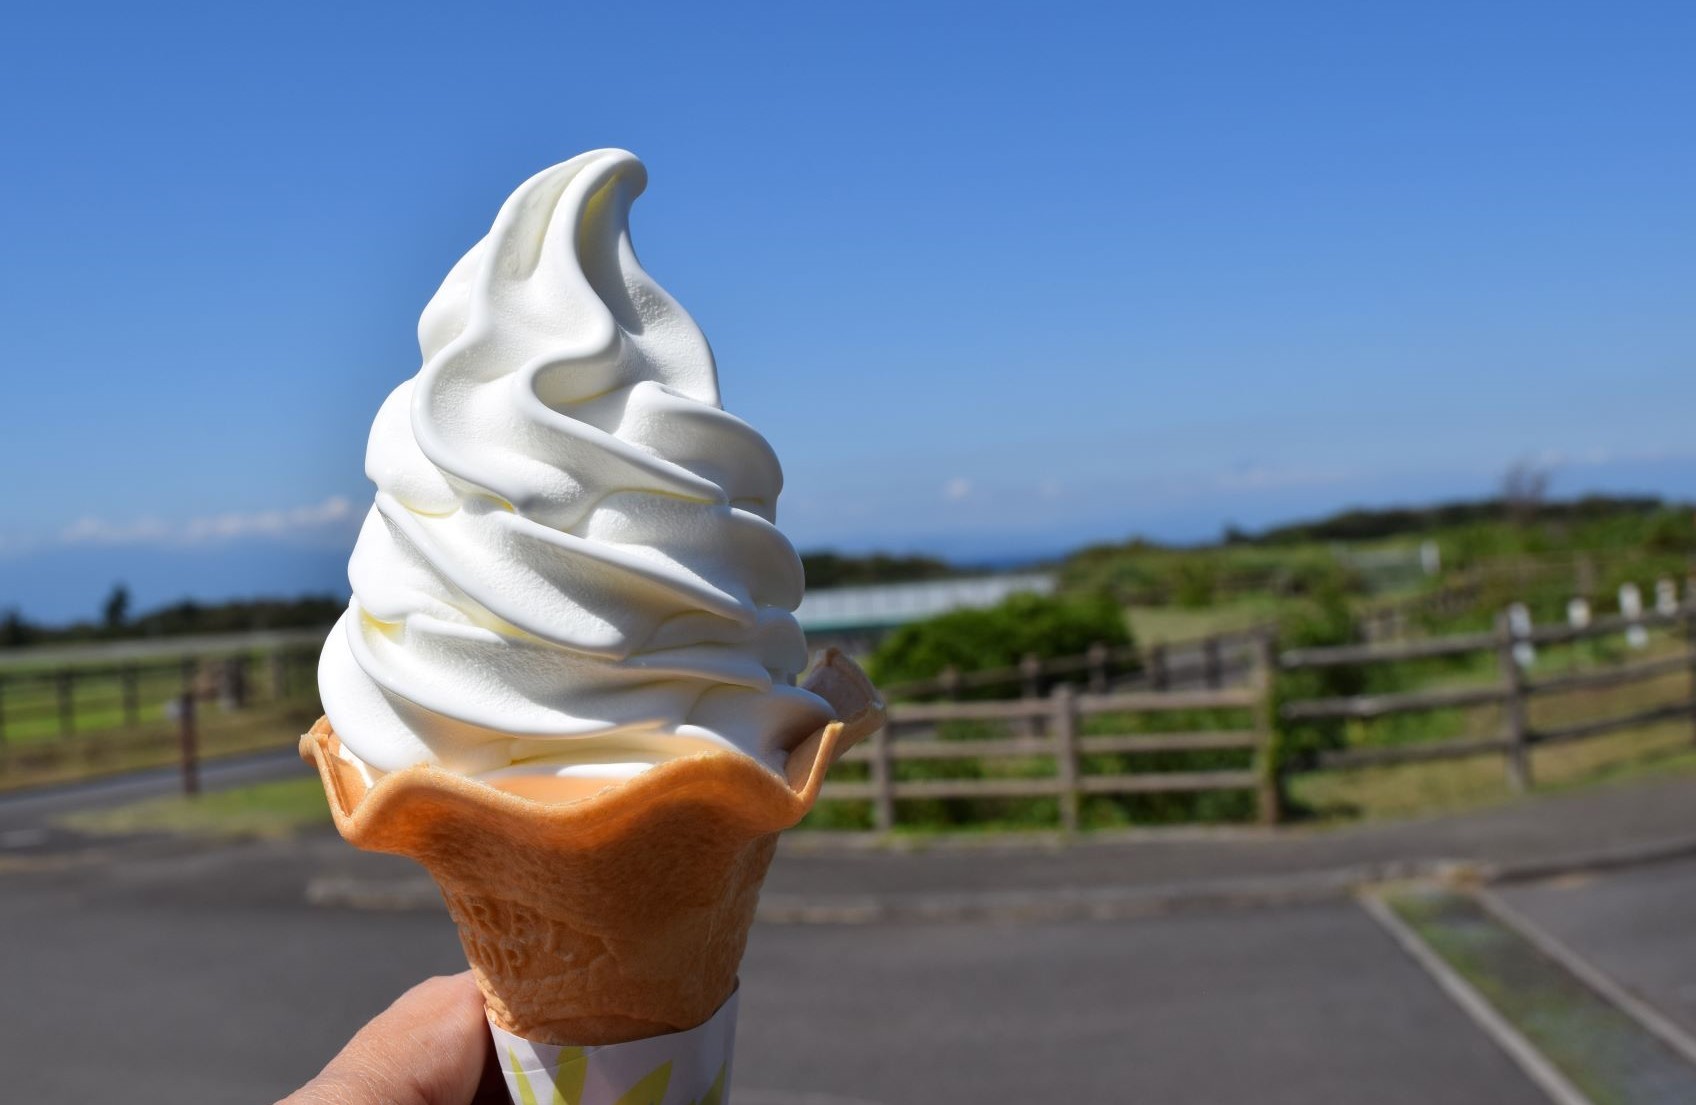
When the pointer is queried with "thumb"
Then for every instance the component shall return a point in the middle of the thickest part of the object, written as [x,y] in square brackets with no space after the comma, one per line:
[428,1048]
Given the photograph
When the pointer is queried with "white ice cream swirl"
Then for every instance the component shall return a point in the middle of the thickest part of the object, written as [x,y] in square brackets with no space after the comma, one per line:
[571,565]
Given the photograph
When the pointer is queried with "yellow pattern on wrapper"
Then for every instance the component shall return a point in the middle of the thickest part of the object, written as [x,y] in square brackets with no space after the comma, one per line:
[618,916]
[568,1078]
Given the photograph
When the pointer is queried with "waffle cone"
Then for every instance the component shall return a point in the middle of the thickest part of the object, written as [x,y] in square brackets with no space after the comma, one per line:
[615,917]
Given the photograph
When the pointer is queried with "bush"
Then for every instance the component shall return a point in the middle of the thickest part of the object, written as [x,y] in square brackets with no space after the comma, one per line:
[1197,582]
[999,636]
[1326,620]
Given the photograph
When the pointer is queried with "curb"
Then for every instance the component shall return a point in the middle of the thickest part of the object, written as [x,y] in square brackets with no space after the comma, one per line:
[815,842]
[1594,861]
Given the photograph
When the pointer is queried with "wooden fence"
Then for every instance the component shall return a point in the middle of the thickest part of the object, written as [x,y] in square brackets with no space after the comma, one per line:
[122,706]
[1052,732]
[100,717]
[1512,691]
[110,696]
[1051,725]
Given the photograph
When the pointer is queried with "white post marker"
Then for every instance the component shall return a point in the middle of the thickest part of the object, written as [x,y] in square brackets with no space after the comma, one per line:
[1431,557]
[1631,608]
[1666,597]
[1578,613]
[1519,624]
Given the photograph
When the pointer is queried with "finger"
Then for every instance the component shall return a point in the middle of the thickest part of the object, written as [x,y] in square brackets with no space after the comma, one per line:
[428,1048]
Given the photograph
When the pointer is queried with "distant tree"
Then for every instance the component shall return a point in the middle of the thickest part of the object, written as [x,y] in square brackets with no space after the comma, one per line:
[831,569]
[1524,486]
[15,632]
[116,612]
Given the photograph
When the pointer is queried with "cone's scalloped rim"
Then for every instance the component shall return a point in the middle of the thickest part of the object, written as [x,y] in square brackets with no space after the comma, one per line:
[745,790]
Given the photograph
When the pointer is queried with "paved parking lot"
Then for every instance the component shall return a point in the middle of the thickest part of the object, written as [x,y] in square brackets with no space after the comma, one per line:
[204,976]
[202,973]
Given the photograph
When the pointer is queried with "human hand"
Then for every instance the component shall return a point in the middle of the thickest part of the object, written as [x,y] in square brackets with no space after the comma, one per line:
[431,1047]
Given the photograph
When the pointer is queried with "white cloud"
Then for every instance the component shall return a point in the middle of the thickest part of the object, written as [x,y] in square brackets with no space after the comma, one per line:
[221,527]
[957,488]
[90,530]
[1257,477]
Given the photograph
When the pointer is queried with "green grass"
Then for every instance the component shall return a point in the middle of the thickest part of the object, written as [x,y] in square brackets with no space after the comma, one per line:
[30,702]
[32,706]
[268,810]
[1413,790]
[1154,624]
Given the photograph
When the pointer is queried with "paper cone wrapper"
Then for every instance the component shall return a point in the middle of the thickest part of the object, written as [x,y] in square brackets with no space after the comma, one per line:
[615,917]
[681,1068]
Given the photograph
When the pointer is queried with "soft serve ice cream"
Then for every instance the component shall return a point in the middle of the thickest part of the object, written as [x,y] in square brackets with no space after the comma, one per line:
[571,567]
[570,589]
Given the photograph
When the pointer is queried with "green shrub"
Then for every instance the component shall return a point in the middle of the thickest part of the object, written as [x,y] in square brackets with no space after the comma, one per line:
[1197,582]
[1324,621]
[999,636]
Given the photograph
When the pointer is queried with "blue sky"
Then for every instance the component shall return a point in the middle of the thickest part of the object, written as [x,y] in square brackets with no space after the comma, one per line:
[992,278]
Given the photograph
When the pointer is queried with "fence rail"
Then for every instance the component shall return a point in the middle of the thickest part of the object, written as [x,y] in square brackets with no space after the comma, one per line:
[1512,692]
[72,700]
[913,733]
[1061,716]
[58,722]
[148,705]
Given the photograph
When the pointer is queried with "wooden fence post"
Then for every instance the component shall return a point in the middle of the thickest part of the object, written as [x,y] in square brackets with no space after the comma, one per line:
[1158,677]
[1212,675]
[232,682]
[1517,754]
[279,675]
[950,679]
[1064,724]
[131,696]
[190,748]
[1030,675]
[67,707]
[1098,668]
[1270,759]
[1690,653]
[883,781]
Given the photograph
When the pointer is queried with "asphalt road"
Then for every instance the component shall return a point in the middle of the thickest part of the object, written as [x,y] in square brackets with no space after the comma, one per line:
[194,975]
